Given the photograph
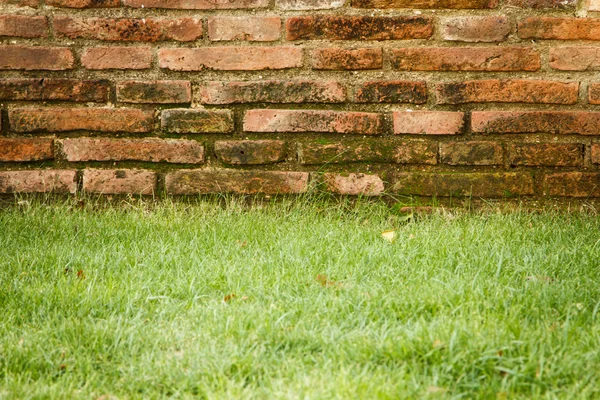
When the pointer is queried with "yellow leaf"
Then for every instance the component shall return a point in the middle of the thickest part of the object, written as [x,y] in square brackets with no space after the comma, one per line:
[389,235]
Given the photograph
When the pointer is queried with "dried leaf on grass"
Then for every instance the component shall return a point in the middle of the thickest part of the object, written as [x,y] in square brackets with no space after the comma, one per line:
[81,274]
[325,282]
[389,235]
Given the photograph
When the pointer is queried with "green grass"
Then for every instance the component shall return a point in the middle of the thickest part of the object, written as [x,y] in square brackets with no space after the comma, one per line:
[461,305]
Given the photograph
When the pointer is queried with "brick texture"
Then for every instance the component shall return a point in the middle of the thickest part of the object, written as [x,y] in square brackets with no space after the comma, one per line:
[483,98]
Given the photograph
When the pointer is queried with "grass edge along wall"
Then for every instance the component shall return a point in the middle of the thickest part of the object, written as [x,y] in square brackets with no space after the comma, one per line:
[489,98]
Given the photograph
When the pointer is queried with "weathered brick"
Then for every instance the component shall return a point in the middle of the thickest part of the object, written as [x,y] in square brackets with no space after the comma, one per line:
[345,59]
[48,89]
[197,4]
[36,58]
[250,152]
[354,184]
[230,58]
[559,28]
[119,181]
[148,150]
[489,185]
[392,92]
[258,29]
[436,4]
[572,184]
[312,121]
[309,4]
[471,153]
[26,149]
[475,29]
[117,58]
[416,152]
[88,119]
[560,4]
[428,122]
[466,59]
[333,27]
[23,26]
[596,153]
[575,58]
[21,3]
[129,29]
[594,93]
[558,122]
[234,181]
[84,3]
[546,154]
[507,91]
[275,91]
[197,121]
[367,150]
[161,92]
[39,181]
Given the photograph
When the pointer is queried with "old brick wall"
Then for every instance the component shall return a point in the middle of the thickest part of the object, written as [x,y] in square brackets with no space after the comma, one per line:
[488,98]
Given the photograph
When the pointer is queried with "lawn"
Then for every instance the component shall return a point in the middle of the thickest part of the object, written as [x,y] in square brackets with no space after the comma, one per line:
[302,299]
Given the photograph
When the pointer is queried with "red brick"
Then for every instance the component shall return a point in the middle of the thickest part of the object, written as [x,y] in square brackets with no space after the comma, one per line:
[276,91]
[309,4]
[120,181]
[471,153]
[24,149]
[83,3]
[367,150]
[117,58]
[475,29]
[392,92]
[428,122]
[333,27]
[559,28]
[148,150]
[560,4]
[197,121]
[230,58]
[312,121]
[546,154]
[259,29]
[354,184]
[235,181]
[572,184]
[73,119]
[197,4]
[439,4]
[161,92]
[39,181]
[36,58]
[575,58]
[466,59]
[507,91]
[250,152]
[557,122]
[489,185]
[47,89]
[129,29]
[23,26]
[344,59]
[594,93]
[596,153]
[21,3]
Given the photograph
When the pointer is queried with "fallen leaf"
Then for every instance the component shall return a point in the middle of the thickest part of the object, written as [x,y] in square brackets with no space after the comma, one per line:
[438,343]
[228,297]
[500,353]
[81,274]
[245,298]
[325,282]
[389,235]
[242,244]
[62,367]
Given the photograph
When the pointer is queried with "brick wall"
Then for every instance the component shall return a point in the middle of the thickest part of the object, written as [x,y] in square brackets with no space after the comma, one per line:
[488,98]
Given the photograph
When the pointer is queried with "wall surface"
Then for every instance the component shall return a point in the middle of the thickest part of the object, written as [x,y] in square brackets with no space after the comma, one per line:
[488,98]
